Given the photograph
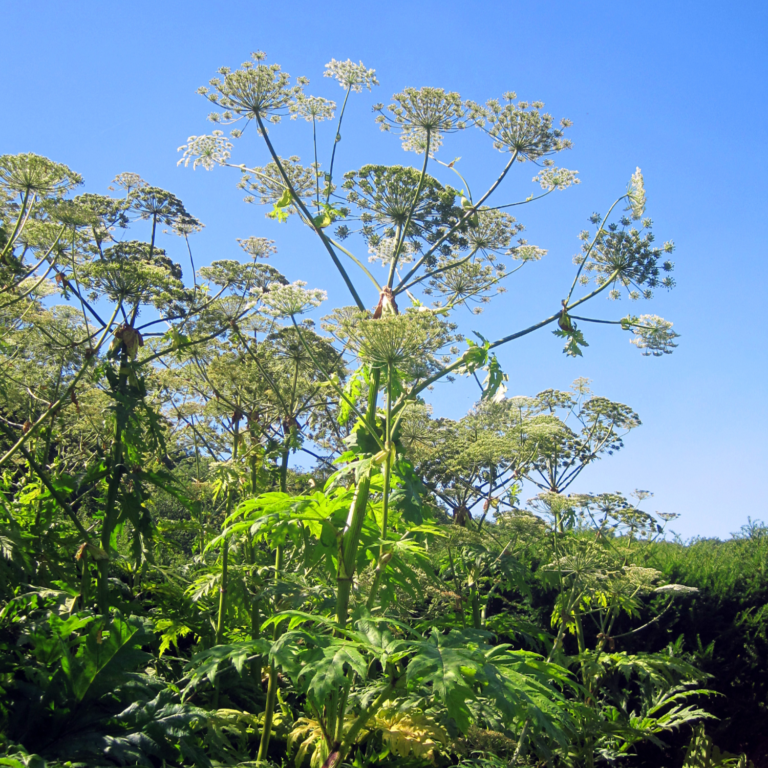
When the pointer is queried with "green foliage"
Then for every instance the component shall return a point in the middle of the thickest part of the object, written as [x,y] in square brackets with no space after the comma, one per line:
[177,590]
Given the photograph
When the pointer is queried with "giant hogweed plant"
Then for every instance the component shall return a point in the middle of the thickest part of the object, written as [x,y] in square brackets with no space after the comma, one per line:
[81,423]
[87,387]
[434,248]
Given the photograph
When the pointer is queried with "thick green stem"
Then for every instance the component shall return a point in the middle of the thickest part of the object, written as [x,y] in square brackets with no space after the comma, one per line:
[458,587]
[586,681]
[317,166]
[255,612]
[269,707]
[362,719]
[382,563]
[117,470]
[477,618]
[341,711]
[351,536]
[221,623]
[135,312]
[84,581]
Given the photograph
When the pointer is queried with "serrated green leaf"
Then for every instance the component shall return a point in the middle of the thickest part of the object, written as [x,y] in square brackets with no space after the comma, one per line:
[329,673]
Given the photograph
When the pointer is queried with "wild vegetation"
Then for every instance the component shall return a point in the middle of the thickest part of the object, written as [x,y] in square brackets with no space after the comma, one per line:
[178,590]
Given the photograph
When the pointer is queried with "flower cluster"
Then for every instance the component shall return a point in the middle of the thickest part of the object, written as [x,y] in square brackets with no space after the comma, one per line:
[251,278]
[556,178]
[108,213]
[207,151]
[351,76]
[653,335]
[266,184]
[132,272]
[255,91]
[293,299]
[29,174]
[422,116]
[521,128]
[258,247]
[626,257]
[417,142]
[129,181]
[385,194]
[492,232]
[160,206]
[186,227]
[526,252]
[636,195]
[312,108]
[408,342]
[462,281]
[382,250]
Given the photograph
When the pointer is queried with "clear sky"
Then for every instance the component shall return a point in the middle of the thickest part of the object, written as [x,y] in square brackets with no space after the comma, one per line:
[677,88]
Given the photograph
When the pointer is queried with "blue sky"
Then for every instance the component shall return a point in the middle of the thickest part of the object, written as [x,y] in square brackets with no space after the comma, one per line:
[675,88]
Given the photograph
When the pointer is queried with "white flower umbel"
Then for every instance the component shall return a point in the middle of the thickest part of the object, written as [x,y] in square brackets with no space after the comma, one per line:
[654,335]
[556,178]
[528,253]
[258,247]
[421,116]
[520,127]
[256,91]
[383,251]
[351,75]
[207,151]
[312,108]
[129,181]
[290,300]
[184,227]
[493,231]
[416,141]
[35,175]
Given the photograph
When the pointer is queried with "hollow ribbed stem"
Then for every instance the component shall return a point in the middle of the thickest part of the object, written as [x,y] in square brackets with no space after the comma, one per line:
[350,540]
[269,707]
